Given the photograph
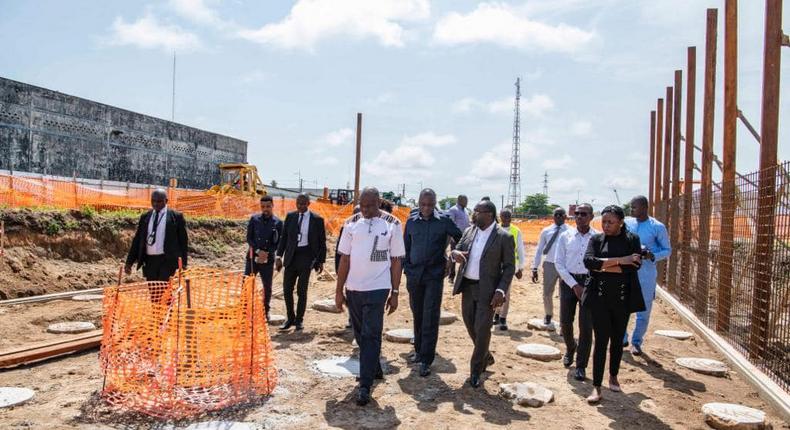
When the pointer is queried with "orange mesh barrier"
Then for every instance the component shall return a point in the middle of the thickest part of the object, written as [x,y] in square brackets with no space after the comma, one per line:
[181,348]
[18,191]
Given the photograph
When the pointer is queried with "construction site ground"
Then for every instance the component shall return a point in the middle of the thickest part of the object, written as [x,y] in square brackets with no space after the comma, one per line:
[658,394]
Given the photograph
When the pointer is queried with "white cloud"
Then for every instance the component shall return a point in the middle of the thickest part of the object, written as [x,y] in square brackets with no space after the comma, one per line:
[581,128]
[196,11]
[465,105]
[536,105]
[326,161]
[338,137]
[254,76]
[410,158]
[503,25]
[429,139]
[624,182]
[148,33]
[558,163]
[310,21]
[566,185]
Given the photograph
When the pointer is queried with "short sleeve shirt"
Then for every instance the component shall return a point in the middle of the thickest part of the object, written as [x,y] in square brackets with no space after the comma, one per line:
[371,243]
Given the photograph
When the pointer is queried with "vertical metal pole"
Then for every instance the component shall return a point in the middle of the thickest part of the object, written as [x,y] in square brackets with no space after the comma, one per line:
[688,175]
[359,158]
[659,157]
[666,175]
[761,300]
[674,212]
[652,166]
[706,188]
[728,172]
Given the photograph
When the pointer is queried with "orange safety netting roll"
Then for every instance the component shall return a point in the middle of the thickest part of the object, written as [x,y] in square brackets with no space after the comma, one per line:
[195,344]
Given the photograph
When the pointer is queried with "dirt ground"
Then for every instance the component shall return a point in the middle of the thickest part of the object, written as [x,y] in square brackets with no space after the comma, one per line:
[658,394]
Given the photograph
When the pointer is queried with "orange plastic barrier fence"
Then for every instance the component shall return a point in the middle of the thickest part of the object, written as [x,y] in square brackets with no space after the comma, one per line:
[181,348]
[19,191]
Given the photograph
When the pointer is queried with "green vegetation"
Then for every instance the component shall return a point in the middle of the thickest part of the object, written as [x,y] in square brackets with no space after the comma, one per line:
[447,202]
[537,204]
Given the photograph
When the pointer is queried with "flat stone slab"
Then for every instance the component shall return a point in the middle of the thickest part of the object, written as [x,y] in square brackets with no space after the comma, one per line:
[326,305]
[275,319]
[213,425]
[527,394]
[539,324]
[400,335]
[342,367]
[71,327]
[447,318]
[538,351]
[703,365]
[733,417]
[88,297]
[12,396]
[675,334]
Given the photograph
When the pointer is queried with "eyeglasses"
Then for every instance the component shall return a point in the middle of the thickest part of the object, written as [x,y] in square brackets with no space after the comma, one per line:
[581,213]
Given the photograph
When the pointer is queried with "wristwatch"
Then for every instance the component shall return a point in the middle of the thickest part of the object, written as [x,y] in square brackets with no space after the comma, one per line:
[395,291]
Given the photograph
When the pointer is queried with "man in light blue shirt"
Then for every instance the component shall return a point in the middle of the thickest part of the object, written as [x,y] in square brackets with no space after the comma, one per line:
[656,247]
[458,213]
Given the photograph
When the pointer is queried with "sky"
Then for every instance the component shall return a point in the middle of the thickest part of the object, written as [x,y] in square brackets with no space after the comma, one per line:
[434,81]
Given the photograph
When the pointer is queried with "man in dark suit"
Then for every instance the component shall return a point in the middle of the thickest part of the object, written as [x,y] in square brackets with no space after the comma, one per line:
[161,239]
[485,253]
[302,247]
[263,236]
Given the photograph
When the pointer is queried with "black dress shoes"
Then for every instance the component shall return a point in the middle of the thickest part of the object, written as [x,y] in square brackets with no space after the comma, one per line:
[474,380]
[286,325]
[579,374]
[567,359]
[425,369]
[299,326]
[363,396]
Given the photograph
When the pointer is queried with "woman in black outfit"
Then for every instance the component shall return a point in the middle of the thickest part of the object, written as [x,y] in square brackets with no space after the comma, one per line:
[612,293]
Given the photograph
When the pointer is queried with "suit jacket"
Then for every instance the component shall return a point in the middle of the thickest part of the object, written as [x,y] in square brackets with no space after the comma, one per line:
[316,238]
[626,243]
[497,264]
[176,239]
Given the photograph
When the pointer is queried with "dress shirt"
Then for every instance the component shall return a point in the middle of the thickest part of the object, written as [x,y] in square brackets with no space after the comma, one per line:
[304,228]
[476,252]
[569,254]
[545,236]
[426,242]
[158,248]
[459,216]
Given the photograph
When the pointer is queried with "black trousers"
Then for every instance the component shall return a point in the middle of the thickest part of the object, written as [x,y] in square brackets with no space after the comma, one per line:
[297,273]
[266,271]
[478,319]
[610,319]
[367,315]
[158,268]
[568,304]
[425,300]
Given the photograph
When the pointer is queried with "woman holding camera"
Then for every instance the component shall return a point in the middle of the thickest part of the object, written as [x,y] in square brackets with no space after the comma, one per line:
[612,293]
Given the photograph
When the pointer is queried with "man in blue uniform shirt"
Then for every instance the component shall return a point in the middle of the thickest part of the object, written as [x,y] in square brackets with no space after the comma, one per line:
[263,235]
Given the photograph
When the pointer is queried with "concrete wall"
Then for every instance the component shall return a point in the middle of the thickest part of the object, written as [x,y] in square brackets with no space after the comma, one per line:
[47,132]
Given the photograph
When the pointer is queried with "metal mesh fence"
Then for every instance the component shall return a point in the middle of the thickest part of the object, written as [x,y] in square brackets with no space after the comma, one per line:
[738,285]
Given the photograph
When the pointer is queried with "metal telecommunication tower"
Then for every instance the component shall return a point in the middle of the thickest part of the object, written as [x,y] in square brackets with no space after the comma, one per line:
[546,184]
[514,188]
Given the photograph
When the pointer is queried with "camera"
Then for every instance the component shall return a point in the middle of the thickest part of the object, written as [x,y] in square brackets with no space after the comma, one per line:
[644,253]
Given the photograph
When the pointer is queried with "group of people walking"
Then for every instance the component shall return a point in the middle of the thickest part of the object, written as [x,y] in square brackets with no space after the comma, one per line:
[603,276]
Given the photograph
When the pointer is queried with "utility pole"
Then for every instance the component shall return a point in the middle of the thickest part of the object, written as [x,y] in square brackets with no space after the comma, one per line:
[358,159]
[514,188]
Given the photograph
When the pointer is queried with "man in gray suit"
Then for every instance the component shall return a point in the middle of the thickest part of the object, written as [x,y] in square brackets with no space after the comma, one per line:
[485,253]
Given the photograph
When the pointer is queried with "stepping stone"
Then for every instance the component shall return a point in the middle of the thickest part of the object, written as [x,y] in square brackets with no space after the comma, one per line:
[71,327]
[213,425]
[447,318]
[538,351]
[87,297]
[731,416]
[342,367]
[703,365]
[12,396]
[401,335]
[275,319]
[326,305]
[675,334]
[538,324]
[527,394]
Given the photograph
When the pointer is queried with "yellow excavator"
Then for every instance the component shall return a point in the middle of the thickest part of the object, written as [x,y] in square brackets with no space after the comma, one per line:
[239,179]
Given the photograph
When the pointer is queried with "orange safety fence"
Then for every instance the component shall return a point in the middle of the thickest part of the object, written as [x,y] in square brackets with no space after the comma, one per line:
[181,348]
[22,191]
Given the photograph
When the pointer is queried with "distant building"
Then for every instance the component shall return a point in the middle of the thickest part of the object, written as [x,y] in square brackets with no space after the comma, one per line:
[47,132]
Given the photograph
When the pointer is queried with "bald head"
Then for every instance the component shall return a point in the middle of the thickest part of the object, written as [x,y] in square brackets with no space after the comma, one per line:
[158,199]
[369,202]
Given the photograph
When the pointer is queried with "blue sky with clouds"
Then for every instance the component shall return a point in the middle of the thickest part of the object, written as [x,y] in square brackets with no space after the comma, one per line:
[434,80]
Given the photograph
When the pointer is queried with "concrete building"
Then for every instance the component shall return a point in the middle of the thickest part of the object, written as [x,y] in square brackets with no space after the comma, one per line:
[47,132]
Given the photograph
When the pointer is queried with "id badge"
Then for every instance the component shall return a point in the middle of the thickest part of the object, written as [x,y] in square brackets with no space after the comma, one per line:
[151,239]
[298,237]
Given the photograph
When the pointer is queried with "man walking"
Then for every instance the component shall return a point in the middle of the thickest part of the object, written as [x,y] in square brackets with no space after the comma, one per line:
[656,247]
[371,249]
[301,248]
[569,261]
[506,216]
[426,236]
[486,255]
[548,237]
[458,214]
[263,236]
[160,240]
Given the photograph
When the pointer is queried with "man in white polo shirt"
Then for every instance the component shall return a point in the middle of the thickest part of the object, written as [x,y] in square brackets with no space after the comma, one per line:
[371,247]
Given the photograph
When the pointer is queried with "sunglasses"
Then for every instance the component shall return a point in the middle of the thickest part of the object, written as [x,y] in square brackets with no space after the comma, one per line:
[581,213]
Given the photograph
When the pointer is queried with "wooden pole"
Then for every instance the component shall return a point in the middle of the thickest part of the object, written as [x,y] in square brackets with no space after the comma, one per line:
[659,157]
[359,158]
[761,301]
[706,188]
[688,176]
[674,213]
[652,165]
[728,194]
